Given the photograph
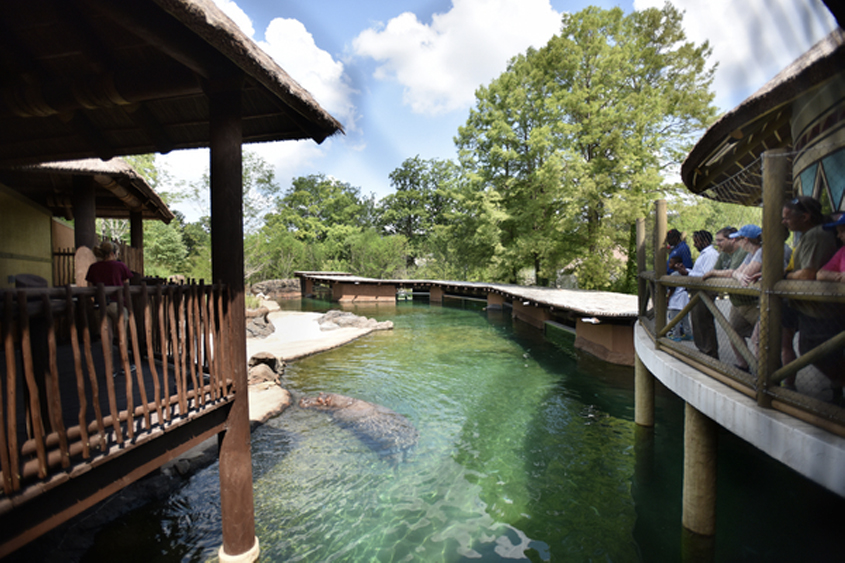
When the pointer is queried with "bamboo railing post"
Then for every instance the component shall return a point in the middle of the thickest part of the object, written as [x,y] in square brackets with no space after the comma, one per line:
[206,320]
[774,175]
[190,340]
[148,333]
[196,346]
[136,354]
[641,266]
[29,376]
[77,368]
[54,396]
[174,343]
[660,300]
[9,447]
[92,372]
[123,348]
[107,359]
[162,335]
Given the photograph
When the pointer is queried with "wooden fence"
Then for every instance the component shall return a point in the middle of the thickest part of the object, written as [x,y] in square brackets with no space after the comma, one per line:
[69,402]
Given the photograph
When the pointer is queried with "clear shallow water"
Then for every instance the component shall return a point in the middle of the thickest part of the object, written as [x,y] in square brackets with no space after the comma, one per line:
[526,451]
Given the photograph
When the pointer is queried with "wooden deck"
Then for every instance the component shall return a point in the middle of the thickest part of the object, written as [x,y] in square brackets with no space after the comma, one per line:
[80,420]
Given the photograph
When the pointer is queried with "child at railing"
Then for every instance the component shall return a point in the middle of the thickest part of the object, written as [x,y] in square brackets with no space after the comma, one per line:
[678,299]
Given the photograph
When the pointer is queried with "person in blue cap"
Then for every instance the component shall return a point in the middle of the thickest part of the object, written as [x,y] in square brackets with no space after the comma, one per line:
[744,314]
[834,270]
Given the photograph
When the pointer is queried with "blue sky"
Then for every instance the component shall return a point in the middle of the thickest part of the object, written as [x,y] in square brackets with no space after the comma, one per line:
[400,75]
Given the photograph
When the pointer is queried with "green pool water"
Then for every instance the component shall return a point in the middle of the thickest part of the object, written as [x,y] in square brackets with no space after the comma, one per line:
[527,450]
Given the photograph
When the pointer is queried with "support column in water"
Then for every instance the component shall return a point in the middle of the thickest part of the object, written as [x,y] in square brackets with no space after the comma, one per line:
[699,493]
[643,394]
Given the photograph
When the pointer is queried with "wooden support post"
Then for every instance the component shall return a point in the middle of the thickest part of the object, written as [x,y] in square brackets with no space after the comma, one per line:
[227,255]
[84,212]
[660,229]
[774,183]
[495,301]
[136,236]
[699,492]
[435,294]
[643,394]
[641,266]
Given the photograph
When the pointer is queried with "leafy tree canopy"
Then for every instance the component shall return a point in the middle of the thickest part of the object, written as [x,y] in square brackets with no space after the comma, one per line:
[575,138]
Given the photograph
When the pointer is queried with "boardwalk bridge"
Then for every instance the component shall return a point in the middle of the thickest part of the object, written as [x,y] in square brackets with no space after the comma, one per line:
[603,322]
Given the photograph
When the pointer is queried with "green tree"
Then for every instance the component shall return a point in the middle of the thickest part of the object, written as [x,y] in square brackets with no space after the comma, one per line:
[575,137]
[164,249]
[375,256]
[259,191]
[420,202]
[317,209]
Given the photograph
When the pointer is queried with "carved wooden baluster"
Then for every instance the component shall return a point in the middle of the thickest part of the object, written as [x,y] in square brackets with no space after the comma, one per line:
[9,448]
[85,311]
[54,396]
[148,333]
[77,368]
[29,376]
[136,356]
[107,359]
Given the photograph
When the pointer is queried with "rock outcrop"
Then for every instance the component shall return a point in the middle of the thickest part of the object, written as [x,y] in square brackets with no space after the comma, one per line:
[257,325]
[335,319]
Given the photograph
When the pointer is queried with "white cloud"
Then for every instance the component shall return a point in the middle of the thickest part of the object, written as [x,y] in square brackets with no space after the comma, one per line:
[752,40]
[441,64]
[237,15]
[290,44]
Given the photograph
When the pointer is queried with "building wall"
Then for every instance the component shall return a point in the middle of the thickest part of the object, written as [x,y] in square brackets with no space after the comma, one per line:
[63,236]
[818,133]
[26,235]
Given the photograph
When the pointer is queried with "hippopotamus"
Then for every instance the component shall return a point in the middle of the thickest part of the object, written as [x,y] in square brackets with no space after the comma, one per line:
[380,428]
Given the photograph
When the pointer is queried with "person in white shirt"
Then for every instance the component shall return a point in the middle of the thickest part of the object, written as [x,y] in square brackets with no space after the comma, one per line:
[703,325]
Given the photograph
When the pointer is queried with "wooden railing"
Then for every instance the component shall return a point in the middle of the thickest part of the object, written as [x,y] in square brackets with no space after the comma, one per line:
[69,402]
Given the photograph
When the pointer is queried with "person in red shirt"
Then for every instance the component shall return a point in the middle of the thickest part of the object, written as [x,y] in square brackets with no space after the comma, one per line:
[111,272]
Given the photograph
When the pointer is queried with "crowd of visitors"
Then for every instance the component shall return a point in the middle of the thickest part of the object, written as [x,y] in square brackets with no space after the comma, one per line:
[738,254]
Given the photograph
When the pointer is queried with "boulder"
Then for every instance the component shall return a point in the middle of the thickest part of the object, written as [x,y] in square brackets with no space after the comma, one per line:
[268,359]
[262,373]
[258,326]
[335,319]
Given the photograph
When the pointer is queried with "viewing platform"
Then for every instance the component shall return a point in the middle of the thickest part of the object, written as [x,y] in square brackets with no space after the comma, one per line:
[603,322]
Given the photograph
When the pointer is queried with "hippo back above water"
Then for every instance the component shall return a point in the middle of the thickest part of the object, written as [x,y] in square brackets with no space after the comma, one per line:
[382,429]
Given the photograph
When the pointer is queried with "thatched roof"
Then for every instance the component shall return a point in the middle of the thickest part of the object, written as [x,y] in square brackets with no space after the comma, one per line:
[119,189]
[762,121]
[99,78]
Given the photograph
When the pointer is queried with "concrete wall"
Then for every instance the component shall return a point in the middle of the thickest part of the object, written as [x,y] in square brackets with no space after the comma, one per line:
[435,294]
[535,316]
[26,234]
[495,301]
[349,292]
[612,343]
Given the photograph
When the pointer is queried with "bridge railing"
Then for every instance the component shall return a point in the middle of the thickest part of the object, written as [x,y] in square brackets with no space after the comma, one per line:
[806,383]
